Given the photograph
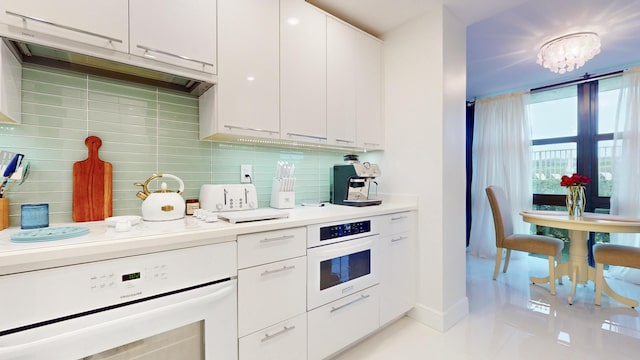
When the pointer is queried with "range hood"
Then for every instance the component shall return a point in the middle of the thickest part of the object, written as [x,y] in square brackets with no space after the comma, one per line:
[68,60]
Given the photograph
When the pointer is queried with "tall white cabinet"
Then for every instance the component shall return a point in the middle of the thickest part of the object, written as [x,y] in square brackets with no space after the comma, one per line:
[10,86]
[303,72]
[354,87]
[248,99]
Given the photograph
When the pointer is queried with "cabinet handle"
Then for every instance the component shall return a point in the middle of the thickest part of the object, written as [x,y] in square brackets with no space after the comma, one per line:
[399,218]
[26,17]
[280,332]
[345,141]
[362,297]
[285,237]
[398,239]
[371,144]
[284,268]
[148,49]
[249,129]
[308,136]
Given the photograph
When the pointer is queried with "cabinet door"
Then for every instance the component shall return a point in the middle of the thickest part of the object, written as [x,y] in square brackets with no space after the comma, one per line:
[99,23]
[342,322]
[181,33]
[370,122]
[271,293]
[396,279]
[341,83]
[303,60]
[284,341]
[10,86]
[248,67]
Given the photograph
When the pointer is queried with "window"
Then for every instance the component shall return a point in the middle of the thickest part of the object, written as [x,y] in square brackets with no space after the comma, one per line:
[572,131]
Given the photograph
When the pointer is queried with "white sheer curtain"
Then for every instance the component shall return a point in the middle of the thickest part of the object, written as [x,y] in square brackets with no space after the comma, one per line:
[502,157]
[625,192]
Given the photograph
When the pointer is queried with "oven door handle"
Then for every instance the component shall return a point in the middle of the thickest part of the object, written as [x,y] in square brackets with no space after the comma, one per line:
[106,335]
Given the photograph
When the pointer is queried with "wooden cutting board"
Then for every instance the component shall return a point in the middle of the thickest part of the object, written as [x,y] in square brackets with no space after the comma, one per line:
[92,187]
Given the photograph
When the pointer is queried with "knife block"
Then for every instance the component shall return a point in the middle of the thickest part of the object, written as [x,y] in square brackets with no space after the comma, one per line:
[4,213]
[281,199]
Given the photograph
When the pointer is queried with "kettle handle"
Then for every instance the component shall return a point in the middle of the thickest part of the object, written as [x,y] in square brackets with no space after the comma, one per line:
[145,186]
[181,188]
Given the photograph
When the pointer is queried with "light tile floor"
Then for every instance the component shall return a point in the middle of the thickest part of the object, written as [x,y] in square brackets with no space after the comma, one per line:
[511,319]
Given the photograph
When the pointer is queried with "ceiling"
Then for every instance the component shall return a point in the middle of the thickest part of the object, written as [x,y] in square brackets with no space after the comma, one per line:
[503,36]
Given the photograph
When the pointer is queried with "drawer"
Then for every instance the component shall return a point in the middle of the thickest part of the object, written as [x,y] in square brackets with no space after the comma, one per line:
[396,223]
[271,293]
[269,246]
[284,341]
[336,325]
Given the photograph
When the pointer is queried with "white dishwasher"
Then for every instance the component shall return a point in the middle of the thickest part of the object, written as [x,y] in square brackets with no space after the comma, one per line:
[178,304]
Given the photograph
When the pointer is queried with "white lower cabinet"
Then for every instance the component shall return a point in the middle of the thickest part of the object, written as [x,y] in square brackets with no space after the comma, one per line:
[286,340]
[336,325]
[270,293]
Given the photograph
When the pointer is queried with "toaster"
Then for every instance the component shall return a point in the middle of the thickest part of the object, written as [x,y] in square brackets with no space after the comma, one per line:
[228,197]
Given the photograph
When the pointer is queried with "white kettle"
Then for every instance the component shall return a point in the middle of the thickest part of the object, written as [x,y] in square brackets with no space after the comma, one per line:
[163,204]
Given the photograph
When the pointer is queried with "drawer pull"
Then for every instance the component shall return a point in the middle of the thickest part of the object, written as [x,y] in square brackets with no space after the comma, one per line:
[285,237]
[362,297]
[399,218]
[399,238]
[43,21]
[271,336]
[284,268]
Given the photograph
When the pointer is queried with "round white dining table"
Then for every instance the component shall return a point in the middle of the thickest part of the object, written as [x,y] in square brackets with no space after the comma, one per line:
[577,268]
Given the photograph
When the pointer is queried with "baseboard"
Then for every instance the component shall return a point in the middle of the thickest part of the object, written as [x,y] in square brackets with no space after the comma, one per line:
[438,320]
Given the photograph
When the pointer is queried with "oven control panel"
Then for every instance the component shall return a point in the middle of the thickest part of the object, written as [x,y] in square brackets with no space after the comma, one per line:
[342,230]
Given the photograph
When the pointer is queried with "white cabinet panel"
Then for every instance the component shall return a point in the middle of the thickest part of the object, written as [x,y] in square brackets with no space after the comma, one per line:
[342,322]
[354,87]
[303,60]
[270,293]
[341,83]
[397,265]
[284,341]
[100,23]
[10,86]
[181,33]
[248,68]
[269,246]
[370,122]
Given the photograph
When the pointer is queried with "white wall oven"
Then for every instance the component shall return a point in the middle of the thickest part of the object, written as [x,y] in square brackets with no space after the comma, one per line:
[341,260]
[178,304]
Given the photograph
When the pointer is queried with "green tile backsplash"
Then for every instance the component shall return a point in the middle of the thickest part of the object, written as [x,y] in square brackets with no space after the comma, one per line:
[144,130]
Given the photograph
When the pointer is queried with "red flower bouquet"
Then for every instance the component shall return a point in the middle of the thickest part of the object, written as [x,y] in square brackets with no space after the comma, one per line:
[575,180]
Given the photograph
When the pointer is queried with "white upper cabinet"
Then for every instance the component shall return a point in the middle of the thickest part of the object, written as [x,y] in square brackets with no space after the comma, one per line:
[10,86]
[354,87]
[341,83]
[303,69]
[248,68]
[181,33]
[370,122]
[104,24]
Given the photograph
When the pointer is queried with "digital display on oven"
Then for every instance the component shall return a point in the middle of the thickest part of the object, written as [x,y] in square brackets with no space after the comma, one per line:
[344,268]
[132,276]
[341,230]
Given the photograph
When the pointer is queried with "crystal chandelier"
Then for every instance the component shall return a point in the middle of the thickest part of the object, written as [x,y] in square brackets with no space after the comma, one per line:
[569,52]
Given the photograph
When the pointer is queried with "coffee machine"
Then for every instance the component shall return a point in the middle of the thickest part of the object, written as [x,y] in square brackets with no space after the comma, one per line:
[351,182]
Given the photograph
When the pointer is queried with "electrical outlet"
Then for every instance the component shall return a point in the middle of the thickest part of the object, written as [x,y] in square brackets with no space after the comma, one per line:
[246,175]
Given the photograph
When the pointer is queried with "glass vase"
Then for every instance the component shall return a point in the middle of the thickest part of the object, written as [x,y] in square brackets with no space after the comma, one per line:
[575,200]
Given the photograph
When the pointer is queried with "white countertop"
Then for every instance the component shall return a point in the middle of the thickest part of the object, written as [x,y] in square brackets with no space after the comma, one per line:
[103,242]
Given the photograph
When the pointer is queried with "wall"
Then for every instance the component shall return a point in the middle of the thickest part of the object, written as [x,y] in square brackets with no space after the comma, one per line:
[425,92]
[144,130]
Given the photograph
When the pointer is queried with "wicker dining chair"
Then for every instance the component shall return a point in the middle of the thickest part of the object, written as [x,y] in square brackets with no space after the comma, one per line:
[507,239]
[617,255]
